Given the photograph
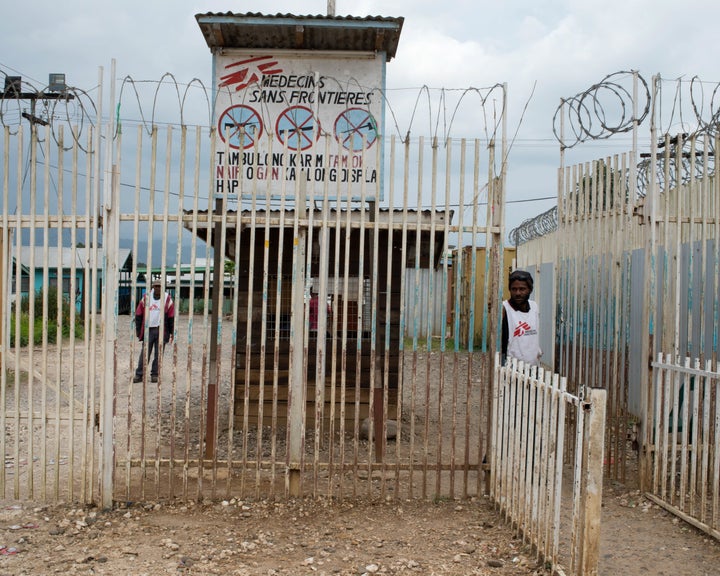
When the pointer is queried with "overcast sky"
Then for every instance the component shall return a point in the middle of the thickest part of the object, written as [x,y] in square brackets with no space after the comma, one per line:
[543,49]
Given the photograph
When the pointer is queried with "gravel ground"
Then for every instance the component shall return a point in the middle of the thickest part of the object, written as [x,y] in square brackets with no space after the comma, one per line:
[324,536]
[295,537]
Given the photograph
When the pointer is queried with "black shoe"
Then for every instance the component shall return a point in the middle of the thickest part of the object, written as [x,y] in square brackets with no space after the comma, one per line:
[153,378]
[137,379]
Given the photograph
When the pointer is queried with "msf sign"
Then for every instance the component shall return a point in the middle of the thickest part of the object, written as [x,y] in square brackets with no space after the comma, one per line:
[238,170]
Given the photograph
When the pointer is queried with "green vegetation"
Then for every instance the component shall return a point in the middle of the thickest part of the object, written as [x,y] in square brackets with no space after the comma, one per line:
[44,322]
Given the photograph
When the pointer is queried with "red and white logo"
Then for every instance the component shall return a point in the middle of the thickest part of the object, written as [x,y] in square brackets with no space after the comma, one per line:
[521,329]
[252,70]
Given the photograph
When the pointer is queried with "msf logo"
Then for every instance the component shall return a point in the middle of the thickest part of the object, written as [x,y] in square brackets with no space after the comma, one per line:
[521,329]
[249,71]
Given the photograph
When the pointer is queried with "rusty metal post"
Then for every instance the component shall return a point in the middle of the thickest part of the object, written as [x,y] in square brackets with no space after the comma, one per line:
[592,482]
[218,285]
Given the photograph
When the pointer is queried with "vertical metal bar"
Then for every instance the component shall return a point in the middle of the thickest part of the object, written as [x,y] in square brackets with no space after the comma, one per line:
[667,395]
[360,335]
[133,304]
[620,321]
[85,494]
[218,288]
[250,328]
[60,273]
[344,362]
[657,437]
[248,353]
[707,381]
[705,214]
[715,285]
[429,333]
[74,290]
[31,316]
[552,398]
[325,323]
[685,409]
[337,352]
[190,321]
[206,327]
[401,332]
[577,534]
[45,222]
[178,302]
[494,271]
[111,237]
[145,443]
[674,421]
[216,364]
[593,440]
[456,330]
[95,254]
[263,328]
[470,389]
[6,271]
[296,393]
[278,309]
[376,395]
[716,456]
[694,425]
[403,319]
[17,324]
[416,311]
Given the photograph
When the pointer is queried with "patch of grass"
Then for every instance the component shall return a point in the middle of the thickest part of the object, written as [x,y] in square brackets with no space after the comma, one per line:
[44,322]
[435,344]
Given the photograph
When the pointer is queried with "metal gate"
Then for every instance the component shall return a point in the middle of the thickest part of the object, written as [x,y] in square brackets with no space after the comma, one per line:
[290,370]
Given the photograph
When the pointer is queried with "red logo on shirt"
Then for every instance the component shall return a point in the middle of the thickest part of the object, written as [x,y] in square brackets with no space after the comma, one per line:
[520,329]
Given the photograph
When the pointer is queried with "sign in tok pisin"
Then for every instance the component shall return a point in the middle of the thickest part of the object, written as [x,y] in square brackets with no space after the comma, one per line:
[284,121]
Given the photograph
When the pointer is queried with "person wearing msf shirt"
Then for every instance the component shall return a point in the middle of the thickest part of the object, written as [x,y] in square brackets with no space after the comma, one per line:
[152,304]
[520,321]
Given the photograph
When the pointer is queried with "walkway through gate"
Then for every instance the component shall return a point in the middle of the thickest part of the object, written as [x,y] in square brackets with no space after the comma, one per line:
[297,363]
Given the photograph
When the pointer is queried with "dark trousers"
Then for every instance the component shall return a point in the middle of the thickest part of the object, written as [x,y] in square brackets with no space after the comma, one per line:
[152,339]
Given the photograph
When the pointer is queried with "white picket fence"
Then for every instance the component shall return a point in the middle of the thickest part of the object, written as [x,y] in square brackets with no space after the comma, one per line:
[532,415]
[685,444]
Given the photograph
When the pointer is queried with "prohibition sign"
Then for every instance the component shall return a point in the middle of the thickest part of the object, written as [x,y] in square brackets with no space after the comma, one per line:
[240,121]
[298,126]
[355,128]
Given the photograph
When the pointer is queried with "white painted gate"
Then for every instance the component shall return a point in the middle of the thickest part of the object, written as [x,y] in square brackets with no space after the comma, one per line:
[258,393]
[532,445]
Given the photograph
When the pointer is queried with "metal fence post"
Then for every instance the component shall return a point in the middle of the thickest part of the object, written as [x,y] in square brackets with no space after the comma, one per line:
[592,482]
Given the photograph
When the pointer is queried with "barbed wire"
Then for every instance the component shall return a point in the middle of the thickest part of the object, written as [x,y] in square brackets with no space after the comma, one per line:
[695,159]
[690,109]
[589,116]
[440,107]
[534,227]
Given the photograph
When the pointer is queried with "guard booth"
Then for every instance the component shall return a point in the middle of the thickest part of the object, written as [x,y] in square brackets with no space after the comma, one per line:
[299,120]
[355,341]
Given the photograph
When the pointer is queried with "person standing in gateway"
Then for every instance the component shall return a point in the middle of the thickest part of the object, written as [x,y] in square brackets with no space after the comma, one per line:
[152,304]
[520,321]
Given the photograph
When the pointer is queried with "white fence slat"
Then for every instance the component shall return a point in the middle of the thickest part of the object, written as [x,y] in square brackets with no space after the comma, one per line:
[686,433]
[528,462]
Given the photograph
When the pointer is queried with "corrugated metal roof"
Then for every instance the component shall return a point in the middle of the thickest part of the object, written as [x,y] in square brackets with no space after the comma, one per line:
[293,32]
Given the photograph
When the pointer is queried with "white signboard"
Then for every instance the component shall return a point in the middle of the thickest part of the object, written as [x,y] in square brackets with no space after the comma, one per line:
[282,119]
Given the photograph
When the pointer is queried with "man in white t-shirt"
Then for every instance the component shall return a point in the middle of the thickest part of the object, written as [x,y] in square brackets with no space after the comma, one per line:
[520,321]
[150,311]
